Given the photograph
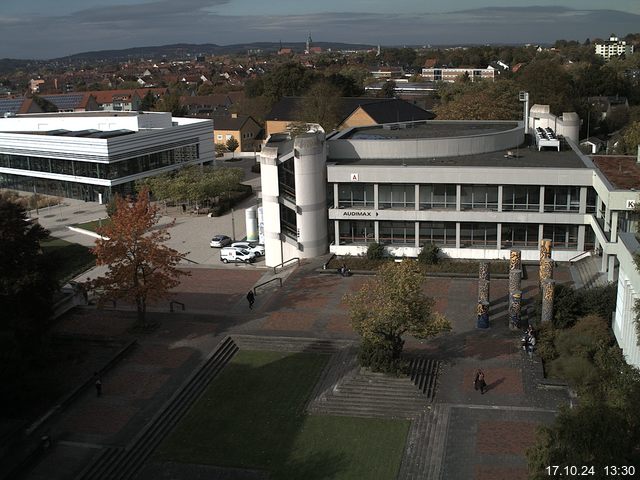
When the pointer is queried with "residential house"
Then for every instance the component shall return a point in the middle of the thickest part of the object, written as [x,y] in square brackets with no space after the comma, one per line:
[613,48]
[241,127]
[207,105]
[446,74]
[73,102]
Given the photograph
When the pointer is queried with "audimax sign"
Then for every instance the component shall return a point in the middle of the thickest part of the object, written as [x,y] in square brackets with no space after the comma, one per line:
[360,213]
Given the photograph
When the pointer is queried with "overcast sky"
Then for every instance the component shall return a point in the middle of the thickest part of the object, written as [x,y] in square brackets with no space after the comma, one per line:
[55,28]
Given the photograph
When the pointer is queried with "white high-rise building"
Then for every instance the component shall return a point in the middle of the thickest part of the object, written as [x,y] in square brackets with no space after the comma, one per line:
[613,48]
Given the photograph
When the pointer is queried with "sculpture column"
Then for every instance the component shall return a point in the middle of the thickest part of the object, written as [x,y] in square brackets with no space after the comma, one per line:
[547,300]
[515,302]
[483,315]
[483,282]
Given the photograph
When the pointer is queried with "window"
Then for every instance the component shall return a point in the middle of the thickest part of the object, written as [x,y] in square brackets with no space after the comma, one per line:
[520,198]
[286,178]
[219,136]
[479,197]
[355,195]
[397,232]
[439,196]
[288,222]
[396,196]
[478,235]
[356,232]
[562,199]
[563,237]
[440,233]
[592,200]
[519,235]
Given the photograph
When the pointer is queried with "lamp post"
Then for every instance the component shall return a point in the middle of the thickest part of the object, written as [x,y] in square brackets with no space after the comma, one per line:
[233,225]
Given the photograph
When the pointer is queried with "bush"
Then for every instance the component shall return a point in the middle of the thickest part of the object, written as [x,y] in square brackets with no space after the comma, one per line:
[429,254]
[375,251]
[382,357]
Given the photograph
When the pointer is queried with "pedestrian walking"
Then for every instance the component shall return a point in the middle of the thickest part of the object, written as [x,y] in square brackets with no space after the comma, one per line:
[479,382]
[251,298]
[98,385]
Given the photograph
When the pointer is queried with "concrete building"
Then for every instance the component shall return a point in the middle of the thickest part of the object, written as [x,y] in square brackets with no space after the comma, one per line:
[613,48]
[475,188]
[92,155]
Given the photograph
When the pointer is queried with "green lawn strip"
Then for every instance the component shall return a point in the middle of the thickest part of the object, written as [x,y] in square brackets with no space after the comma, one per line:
[252,416]
[94,224]
[346,448]
[67,259]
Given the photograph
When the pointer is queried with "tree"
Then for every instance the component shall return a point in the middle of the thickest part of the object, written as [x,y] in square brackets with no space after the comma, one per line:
[232,144]
[288,79]
[388,89]
[26,280]
[321,105]
[628,144]
[171,103]
[429,254]
[140,268]
[479,101]
[148,102]
[387,307]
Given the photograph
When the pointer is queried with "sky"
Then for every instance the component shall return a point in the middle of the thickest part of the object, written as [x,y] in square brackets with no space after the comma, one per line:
[42,29]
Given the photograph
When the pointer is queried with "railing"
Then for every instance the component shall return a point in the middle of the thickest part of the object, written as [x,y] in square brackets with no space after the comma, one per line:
[172,302]
[282,265]
[580,255]
[255,289]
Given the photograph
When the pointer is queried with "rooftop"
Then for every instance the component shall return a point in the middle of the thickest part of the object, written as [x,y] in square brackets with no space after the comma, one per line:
[623,172]
[522,157]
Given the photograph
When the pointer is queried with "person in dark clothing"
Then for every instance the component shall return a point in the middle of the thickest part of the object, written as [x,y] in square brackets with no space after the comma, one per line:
[479,382]
[251,298]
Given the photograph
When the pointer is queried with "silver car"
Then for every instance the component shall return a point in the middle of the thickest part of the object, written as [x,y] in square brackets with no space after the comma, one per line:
[219,241]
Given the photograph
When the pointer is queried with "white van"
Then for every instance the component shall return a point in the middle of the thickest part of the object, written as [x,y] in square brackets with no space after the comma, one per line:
[234,254]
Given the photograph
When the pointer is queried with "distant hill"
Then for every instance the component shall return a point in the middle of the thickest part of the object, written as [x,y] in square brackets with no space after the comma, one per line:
[181,50]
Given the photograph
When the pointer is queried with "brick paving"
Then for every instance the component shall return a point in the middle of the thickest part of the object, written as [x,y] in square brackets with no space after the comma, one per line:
[486,435]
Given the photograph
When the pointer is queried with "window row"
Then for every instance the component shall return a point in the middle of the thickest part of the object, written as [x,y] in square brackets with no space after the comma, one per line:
[110,171]
[472,234]
[472,197]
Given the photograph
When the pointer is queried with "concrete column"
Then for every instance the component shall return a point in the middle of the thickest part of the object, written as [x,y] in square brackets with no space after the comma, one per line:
[581,233]
[336,232]
[336,196]
[540,233]
[417,235]
[376,230]
[598,207]
[499,198]
[499,236]
[375,199]
[604,262]
[583,200]
[541,210]
[457,234]
[607,219]
[416,195]
[458,197]
[614,226]
[612,268]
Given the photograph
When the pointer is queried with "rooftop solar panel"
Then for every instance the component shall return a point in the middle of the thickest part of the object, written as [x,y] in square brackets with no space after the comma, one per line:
[65,102]
[11,105]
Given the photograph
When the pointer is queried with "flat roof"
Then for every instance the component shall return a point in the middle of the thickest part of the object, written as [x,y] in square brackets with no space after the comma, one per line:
[623,172]
[523,157]
[428,129]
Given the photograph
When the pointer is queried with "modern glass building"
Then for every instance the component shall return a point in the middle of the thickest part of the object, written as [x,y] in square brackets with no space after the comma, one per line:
[92,155]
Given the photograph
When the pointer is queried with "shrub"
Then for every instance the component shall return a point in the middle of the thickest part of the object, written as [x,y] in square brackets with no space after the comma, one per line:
[429,254]
[375,251]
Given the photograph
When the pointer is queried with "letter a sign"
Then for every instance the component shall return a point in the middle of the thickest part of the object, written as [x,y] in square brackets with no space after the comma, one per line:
[354,177]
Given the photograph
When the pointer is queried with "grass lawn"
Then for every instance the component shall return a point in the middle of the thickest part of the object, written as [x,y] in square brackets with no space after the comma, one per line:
[68,259]
[252,416]
[93,225]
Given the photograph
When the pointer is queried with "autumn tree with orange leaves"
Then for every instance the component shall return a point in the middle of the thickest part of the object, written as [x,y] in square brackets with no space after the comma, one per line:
[140,268]
[389,306]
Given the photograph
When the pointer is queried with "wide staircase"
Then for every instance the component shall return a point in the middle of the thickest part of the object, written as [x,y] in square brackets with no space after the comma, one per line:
[586,273]
[117,463]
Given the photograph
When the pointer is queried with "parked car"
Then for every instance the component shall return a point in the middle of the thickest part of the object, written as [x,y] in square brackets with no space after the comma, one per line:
[233,254]
[219,241]
[256,248]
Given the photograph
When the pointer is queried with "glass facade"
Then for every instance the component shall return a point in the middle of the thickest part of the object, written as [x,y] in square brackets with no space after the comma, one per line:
[396,196]
[562,199]
[519,235]
[106,171]
[397,232]
[479,197]
[440,233]
[520,198]
[563,237]
[61,188]
[437,196]
[287,179]
[478,234]
[356,231]
[288,222]
[355,195]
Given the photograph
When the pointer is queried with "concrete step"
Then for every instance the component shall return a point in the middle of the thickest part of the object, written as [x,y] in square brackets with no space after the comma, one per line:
[123,464]
[290,344]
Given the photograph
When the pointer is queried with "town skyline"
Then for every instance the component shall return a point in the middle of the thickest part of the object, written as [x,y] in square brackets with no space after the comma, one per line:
[40,30]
